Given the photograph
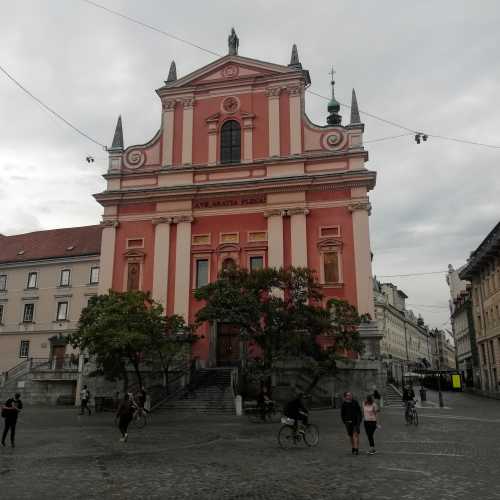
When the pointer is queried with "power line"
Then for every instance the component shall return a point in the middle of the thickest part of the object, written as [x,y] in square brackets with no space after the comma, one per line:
[366,113]
[49,109]
[151,27]
[380,139]
[410,274]
[428,306]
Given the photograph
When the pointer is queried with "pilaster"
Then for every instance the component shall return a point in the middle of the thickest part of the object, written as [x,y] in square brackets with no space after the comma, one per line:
[187,131]
[275,252]
[182,266]
[107,255]
[160,263]
[362,257]
[295,100]
[273,96]
[298,230]
[168,132]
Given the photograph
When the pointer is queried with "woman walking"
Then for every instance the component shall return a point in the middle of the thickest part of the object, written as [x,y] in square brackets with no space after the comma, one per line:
[370,411]
[124,416]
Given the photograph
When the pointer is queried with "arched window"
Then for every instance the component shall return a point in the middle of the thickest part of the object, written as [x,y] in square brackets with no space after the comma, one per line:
[230,142]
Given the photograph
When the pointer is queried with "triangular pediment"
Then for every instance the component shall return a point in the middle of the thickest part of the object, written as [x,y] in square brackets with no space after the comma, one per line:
[230,68]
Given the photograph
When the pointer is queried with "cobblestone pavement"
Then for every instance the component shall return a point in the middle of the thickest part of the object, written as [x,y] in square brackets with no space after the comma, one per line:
[453,454]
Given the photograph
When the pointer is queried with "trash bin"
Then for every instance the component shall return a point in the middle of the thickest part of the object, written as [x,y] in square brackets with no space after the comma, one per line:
[423,394]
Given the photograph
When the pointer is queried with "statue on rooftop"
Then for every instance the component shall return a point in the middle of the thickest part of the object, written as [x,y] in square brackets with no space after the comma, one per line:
[233,43]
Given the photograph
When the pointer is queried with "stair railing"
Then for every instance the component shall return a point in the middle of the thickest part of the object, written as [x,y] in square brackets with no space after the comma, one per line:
[19,369]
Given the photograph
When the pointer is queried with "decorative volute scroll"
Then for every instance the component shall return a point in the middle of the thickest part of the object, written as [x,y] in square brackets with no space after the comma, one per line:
[169,104]
[162,220]
[110,223]
[298,211]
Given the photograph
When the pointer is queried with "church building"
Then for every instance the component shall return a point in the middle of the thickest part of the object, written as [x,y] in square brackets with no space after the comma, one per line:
[237,174]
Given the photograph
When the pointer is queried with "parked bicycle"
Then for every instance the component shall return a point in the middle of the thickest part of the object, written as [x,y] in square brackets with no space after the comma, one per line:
[291,435]
[140,417]
[411,415]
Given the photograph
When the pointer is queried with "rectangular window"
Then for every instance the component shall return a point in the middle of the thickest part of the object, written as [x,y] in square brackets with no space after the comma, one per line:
[24,349]
[1,314]
[65,277]
[201,272]
[62,311]
[135,243]
[256,262]
[331,267]
[3,282]
[32,279]
[257,236]
[201,239]
[29,311]
[94,275]
[329,231]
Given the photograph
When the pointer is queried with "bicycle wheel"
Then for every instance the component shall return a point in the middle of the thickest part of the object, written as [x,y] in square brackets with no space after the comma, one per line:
[286,437]
[140,420]
[311,435]
[408,418]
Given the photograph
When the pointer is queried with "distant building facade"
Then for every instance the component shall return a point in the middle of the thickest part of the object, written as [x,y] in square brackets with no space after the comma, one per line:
[406,343]
[46,279]
[462,323]
[483,271]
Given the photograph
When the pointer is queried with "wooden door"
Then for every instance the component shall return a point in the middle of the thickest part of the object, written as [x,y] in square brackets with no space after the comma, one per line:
[58,353]
[228,344]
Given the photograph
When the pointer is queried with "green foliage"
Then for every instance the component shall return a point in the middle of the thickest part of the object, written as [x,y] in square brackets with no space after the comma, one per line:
[126,328]
[282,312]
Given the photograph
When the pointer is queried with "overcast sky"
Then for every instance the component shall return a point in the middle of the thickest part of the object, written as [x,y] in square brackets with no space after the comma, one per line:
[431,66]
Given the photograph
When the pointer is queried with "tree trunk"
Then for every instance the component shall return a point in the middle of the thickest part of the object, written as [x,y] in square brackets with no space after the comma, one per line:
[137,373]
[125,381]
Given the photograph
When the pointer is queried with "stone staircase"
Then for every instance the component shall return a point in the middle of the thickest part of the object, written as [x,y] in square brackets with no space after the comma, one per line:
[210,392]
[392,397]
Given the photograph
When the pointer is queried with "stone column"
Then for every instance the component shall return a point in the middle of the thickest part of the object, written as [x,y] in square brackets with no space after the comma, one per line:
[187,131]
[295,100]
[362,257]
[275,255]
[107,255]
[168,132]
[298,230]
[273,96]
[183,266]
[160,264]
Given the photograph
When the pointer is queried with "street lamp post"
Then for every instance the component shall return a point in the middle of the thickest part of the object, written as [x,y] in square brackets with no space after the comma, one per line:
[440,394]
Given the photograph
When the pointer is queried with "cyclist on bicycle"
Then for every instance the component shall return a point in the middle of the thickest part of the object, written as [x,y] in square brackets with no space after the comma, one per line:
[296,410]
[408,398]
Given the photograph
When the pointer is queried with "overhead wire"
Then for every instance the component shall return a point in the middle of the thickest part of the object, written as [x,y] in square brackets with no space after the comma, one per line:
[410,131]
[410,274]
[49,109]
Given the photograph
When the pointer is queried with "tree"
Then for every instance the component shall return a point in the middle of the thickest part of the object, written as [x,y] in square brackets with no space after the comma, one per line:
[282,312]
[169,345]
[117,329]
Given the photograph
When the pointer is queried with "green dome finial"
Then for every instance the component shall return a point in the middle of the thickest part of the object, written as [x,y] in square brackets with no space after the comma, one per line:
[333,106]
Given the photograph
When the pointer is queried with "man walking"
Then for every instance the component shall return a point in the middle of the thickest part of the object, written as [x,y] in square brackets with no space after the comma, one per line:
[351,416]
[10,411]
[84,400]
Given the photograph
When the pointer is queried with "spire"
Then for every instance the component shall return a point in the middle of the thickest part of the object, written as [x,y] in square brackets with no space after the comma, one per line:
[333,106]
[172,73]
[354,109]
[233,43]
[294,59]
[118,137]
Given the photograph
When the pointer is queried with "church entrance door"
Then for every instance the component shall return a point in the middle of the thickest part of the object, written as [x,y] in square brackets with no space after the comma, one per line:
[228,344]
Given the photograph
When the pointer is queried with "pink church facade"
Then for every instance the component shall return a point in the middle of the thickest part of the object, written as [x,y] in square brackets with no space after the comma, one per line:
[237,174]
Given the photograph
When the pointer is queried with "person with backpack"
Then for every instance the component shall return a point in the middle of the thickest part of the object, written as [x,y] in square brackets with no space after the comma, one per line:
[10,412]
[84,400]
[370,411]
[351,415]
